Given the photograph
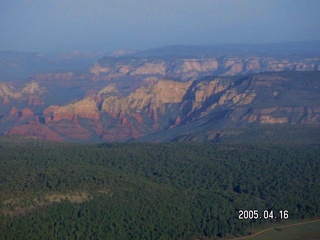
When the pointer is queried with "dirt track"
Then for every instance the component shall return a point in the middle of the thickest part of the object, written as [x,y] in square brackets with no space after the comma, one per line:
[268,229]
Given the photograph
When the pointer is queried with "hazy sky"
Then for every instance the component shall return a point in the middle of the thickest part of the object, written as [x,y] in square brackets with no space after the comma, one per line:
[103,25]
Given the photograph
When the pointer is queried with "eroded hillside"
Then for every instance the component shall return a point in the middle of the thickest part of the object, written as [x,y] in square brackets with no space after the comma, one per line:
[212,102]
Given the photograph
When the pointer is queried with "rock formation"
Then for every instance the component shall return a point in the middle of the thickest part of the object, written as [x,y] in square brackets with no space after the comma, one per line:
[121,98]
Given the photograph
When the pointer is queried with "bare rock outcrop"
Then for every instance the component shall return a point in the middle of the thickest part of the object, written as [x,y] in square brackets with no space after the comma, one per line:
[86,108]
[149,99]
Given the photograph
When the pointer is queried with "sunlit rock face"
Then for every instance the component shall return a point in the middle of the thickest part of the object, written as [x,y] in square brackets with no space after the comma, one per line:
[127,95]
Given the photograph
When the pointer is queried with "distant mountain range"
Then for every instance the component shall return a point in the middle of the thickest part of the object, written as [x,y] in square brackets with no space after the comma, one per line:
[178,93]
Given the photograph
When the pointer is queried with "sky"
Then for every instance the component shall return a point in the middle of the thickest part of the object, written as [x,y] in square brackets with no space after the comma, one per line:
[104,25]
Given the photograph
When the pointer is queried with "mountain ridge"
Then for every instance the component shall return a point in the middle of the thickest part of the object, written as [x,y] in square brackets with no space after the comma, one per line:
[133,95]
[252,100]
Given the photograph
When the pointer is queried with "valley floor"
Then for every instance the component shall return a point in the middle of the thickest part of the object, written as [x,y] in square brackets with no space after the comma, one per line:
[307,229]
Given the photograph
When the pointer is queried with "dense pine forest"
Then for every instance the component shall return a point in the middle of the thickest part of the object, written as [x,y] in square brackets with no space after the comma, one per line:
[152,191]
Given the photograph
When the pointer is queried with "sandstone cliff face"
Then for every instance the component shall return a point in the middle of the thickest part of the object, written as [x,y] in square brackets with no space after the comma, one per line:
[97,68]
[188,65]
[166,103]
[234,97]
[33,88]
[108,89]
[214,103]
[119,98]
[147,102]
[192,68]
[64,120]
[205,89]
[253,65]
[243,102]
[153,96]
[131,73]
[7,91]
[151,69]
[207,96]
[144,111]
[34,93]
[86,108]
[31,92]
[16,114]
[233,66]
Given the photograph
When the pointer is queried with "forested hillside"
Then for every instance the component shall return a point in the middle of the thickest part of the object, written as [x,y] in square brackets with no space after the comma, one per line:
[152,191]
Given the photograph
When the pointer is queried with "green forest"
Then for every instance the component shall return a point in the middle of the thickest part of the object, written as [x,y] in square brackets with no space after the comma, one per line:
[152,190]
